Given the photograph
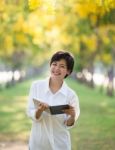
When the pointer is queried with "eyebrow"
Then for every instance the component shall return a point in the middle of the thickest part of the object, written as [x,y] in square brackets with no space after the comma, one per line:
[63,64]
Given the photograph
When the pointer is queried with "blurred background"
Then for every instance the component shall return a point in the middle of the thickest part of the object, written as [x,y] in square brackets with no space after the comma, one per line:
[30,32]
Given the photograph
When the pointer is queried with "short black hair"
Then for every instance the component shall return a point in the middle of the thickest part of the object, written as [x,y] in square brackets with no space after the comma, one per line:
[67,56]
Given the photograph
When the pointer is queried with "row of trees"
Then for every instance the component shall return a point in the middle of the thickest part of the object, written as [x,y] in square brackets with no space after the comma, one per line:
[91,35]
[31,30]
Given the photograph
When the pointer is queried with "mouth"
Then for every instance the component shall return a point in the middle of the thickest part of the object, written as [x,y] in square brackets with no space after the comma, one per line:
[56,73]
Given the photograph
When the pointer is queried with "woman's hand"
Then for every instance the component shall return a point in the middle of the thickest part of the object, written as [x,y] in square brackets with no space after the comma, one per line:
[42,106]
[71,112]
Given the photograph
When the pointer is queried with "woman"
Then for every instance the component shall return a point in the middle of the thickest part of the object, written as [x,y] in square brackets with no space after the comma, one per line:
[50,132]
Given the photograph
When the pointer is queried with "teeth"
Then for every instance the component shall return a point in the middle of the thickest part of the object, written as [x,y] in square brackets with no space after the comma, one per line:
[56,73]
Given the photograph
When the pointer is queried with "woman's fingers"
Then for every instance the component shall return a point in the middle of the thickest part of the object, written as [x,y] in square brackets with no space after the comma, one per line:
[43,106]
[70,111]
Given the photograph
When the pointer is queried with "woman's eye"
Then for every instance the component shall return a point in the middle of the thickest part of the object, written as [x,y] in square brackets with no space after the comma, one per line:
[54,64]
[62,66]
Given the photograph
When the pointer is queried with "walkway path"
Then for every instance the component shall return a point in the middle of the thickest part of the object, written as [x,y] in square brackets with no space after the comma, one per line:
[13,146]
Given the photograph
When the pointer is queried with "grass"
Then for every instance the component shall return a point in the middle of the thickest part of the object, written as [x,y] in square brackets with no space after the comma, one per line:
[13,121]
[96,125]
[94,130]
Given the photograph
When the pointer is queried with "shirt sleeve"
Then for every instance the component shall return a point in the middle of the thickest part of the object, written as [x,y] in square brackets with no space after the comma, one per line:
[74,101]
[31,110]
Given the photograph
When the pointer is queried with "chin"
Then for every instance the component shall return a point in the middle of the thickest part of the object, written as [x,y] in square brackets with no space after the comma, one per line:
[55,77]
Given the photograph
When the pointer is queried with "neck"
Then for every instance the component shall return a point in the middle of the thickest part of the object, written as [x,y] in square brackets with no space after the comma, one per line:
[55,85]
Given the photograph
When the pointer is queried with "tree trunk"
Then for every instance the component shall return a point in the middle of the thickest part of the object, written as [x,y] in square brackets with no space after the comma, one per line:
[110,88]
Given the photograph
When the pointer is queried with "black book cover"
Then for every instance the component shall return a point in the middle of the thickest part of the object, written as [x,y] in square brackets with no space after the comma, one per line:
[58,109]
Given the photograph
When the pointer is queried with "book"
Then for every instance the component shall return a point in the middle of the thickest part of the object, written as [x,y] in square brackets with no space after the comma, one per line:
[37,103]
[53,110]
[58,109]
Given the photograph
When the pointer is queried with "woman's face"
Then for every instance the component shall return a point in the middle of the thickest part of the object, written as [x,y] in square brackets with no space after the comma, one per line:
[59,69]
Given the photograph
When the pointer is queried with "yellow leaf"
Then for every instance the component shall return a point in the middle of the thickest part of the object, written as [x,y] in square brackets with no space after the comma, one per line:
[21,38]
[8,44]
[33,4]
[2,5]
[65,39]
[106,39]
[93,19]
[18,25]
[84,9]
[90,42]
[107,58]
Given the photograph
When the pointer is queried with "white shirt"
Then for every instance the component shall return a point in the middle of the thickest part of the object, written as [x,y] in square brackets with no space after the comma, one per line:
[49,131]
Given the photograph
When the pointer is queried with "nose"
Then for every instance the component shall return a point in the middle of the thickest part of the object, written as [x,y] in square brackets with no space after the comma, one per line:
[57,67]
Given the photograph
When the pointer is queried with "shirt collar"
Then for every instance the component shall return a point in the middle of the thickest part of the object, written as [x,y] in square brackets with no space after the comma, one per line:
[62,90]
[47,85]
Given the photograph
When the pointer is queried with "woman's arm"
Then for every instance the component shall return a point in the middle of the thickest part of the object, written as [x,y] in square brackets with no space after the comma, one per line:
[74,111]
[71,112]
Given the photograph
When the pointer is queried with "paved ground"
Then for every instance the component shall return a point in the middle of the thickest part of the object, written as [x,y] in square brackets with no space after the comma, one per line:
[13,146]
